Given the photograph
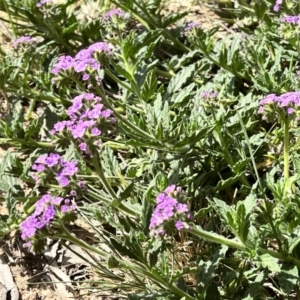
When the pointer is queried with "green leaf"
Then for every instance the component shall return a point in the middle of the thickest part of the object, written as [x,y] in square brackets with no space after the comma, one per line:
[212,292]
[123,250]
[33,128]
[269,262]
[6,161]
[228,182]
[149,86]
[182,96]
[181,78]
[254,288]
[288,278]
[126,193]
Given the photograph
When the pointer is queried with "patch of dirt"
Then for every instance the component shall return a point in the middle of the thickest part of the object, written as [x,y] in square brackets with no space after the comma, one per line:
[201,13]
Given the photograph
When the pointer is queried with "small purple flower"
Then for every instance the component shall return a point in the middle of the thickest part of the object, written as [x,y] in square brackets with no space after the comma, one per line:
[182,208]
[56,201]
[179,225]
[112,13]
[59,126]
[78,130]
[23,40]
[82,185]
[41,159]
[40,204]
[168,210]
[190,26]
[170,189]
[42,217]
[73,193]
[52,160]
[291,19]
[69,168]
[28,227]
[288,102]
[277,5]
[47,216]
[43,3]
[64,208]
[95,131]
[38,167]
[209,95]
[85,77]
[62,180]
[82,147]
[106,113]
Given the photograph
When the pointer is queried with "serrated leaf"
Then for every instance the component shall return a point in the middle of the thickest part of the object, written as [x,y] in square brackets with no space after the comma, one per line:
[228,182]
[126,193]
[288,278]
[269,262]
[149,86]
[33,128]
[6,161]
[183,95]
[181,78]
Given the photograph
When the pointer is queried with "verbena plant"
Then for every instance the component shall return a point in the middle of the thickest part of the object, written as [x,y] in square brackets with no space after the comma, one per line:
[179,150]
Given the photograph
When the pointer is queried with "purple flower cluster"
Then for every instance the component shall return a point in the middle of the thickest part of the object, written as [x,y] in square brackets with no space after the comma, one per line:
[54,164]
[45,211]
[288,101]
[87,114]
[113,13]
[277,5]
[84,62]
[169,212]
[22,41]
[291,19]
[191,26]
[209,95]
[44,3]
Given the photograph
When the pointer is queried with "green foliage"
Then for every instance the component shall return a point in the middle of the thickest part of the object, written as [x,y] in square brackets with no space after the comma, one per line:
[239,175]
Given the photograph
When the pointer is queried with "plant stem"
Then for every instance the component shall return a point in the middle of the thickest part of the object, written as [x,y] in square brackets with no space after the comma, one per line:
[286,148]
[117,80]
[115,202]
[219,239]
[135,129]
[15,141]
[99,171]
[10,19]
[126,264]
[215,238]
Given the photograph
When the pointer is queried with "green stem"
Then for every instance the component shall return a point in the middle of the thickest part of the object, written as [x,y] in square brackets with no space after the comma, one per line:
[117,80]
[40,97]
[227,154]
[135,129]
[99,171]
[67,236]
[30,110]
[215,238]
[116,202]
[219,239]
[176,42]
[16,141]
[286,148]
[10,19]
[226,68]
